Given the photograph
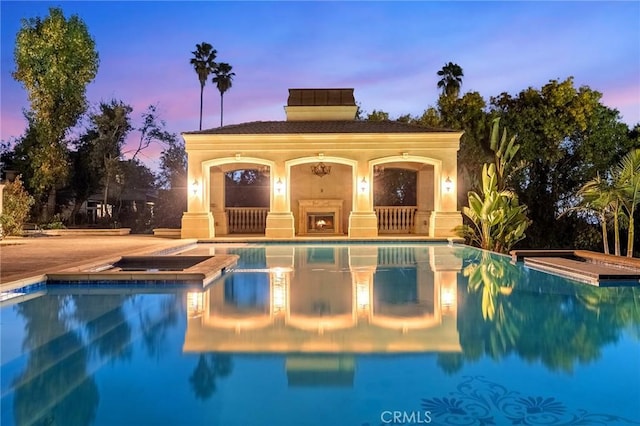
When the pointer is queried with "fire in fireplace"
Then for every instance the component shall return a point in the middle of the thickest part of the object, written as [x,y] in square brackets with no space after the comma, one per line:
[320,222]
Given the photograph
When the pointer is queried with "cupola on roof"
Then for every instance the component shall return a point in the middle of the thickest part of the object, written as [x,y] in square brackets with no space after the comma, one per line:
[321,104]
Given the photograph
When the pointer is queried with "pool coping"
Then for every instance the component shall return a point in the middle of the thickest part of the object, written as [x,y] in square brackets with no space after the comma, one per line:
[203,272]
[173,246]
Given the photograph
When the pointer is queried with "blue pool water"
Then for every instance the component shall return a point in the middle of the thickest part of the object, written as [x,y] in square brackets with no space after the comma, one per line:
[328,335]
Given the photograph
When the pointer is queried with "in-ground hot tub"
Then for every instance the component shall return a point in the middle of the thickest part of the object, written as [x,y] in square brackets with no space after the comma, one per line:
[199,270]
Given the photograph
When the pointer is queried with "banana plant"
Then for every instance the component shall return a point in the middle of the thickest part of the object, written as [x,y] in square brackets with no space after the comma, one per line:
[497,220]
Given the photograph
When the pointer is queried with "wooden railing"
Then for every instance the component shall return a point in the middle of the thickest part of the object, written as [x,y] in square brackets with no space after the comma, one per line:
[247,220]
[396,220]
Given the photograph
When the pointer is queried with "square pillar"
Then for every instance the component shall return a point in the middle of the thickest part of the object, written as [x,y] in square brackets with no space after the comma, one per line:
[197,225]
[425,200]
[279,225]
[217,197]
[443,224]
[363,225]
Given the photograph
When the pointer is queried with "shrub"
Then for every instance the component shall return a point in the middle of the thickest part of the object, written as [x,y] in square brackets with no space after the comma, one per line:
[16,205]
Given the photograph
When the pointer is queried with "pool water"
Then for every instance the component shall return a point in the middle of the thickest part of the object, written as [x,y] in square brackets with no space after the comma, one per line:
[345,334]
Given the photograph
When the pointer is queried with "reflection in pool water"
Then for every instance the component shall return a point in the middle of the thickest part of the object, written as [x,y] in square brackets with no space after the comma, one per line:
[320,335]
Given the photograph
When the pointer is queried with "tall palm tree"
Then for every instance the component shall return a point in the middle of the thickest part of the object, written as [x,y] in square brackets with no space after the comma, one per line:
[203,62]
[451,80]
[223,79]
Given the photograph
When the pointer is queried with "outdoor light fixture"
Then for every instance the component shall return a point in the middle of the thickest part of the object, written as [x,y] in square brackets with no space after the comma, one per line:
[448,184]
[195,186]
[279,186]
[363,185]
[320,169]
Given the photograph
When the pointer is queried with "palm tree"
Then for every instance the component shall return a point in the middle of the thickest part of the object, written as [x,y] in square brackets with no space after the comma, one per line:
[223,80]
[599,197]
[627,181]
[451,80]
[203,62]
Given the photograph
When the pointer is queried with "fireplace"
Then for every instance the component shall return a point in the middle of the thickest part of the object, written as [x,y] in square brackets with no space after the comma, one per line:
[320,216]
[321,222]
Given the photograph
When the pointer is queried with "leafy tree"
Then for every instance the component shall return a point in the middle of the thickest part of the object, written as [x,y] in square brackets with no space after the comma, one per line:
[223,79]
[204,64]
[151,131]
[135,186]
[15,208]
[567,136]
[468,114]
[172,196]
[451,80]
[55,59]
[378,116]
[110,128]
[430,118]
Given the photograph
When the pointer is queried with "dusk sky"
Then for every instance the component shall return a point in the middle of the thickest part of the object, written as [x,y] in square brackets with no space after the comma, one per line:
[389,52]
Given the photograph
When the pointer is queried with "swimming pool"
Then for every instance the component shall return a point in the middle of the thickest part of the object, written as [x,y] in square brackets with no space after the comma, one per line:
[320,334]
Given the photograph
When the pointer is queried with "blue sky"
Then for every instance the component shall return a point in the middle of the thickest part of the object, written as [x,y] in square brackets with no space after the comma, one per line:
[389,52]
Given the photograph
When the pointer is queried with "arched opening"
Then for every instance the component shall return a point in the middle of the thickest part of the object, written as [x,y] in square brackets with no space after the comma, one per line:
[395,197]
[247,199]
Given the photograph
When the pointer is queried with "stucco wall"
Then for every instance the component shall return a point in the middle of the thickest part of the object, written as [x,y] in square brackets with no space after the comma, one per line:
[336,185]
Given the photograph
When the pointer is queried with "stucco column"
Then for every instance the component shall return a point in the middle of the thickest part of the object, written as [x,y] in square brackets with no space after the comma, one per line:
[217,195]
[363,222]
[280,222]
[197,221]
[445,217]
[424,200]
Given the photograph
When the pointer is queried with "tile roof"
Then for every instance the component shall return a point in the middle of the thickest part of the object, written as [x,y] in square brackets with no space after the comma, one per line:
[293,127]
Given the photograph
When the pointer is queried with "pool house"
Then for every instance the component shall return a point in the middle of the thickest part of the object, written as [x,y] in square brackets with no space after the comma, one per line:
[322,167]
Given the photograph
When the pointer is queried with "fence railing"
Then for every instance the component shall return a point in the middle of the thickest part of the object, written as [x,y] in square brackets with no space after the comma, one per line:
[396,220]
[247,220]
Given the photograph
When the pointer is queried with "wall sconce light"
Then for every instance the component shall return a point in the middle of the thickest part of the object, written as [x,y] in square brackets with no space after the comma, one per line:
[363,185]
[195,187]
[448,184]
[279,186]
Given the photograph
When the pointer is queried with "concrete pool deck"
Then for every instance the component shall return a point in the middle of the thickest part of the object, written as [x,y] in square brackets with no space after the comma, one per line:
[25,261]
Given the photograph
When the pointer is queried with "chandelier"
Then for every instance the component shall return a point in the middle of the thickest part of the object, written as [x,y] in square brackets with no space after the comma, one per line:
[264,170]
[320,169]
